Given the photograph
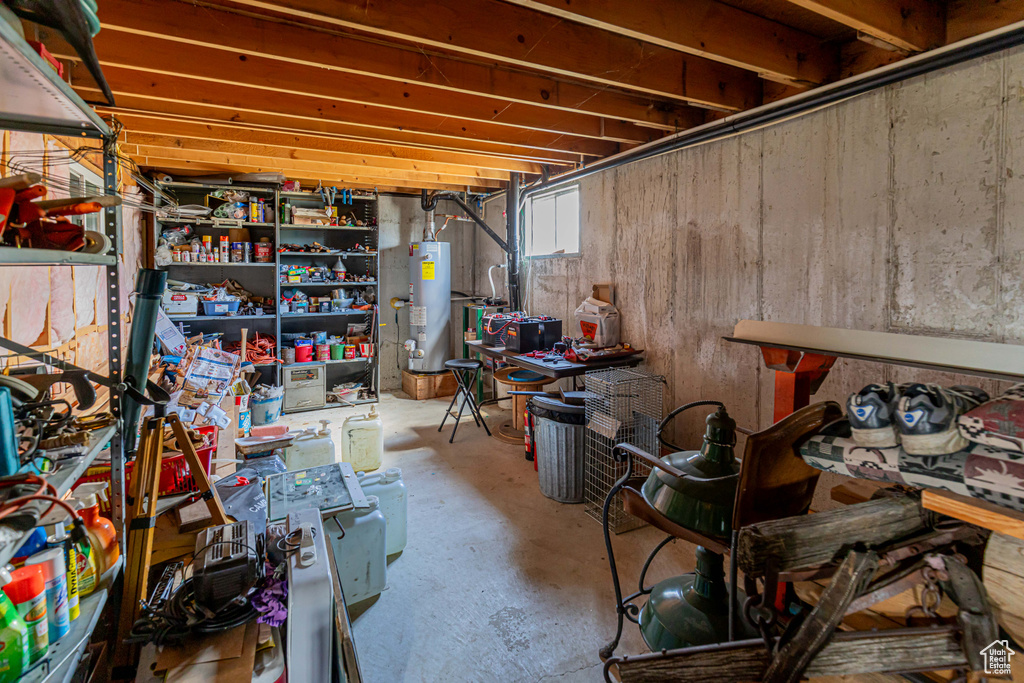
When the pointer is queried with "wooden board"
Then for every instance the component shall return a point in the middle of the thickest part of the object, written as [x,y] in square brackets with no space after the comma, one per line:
[1003,576]
[422,387]
[975,511]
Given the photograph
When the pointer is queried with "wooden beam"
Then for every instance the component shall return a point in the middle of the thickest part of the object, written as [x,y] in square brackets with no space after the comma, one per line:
[495,30]
[164,57]
[913,25]
[278,123]
[268,152]
[178,167]
[311,167]
[157,125]
[968,18]
[241,100]
[707,28]
[295,43]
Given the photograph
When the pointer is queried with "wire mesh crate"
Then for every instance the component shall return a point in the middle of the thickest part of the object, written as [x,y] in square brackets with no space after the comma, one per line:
[623,406]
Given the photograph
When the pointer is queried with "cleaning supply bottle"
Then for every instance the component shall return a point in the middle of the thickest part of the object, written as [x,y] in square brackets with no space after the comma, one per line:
[362,441]
[102,536]
[27,591]
[14,651]
[51,561]
[57,537]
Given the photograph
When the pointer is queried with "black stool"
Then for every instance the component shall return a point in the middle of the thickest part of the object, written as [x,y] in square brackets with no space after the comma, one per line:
[465,371]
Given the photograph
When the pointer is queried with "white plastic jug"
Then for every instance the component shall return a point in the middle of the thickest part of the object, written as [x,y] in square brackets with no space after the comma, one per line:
[390,491]
[311,448]
[362,441]
[360,554]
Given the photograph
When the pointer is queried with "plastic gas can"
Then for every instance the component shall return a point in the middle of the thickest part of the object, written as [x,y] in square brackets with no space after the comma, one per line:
[311,448]
[390,491]
[360,552]
[362,441]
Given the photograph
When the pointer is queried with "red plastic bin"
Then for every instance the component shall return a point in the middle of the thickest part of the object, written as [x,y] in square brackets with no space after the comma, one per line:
[175,477]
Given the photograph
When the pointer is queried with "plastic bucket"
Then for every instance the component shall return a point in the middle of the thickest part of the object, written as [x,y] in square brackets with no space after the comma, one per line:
[267,411]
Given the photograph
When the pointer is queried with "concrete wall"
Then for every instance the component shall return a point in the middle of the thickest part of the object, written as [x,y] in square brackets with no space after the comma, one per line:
[401,222]
[897,211]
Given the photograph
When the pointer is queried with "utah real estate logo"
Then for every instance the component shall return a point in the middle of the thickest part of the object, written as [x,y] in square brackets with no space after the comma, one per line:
[997,658]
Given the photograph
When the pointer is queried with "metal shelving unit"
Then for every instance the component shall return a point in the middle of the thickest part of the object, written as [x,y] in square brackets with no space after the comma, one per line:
[340,239]
[33,98]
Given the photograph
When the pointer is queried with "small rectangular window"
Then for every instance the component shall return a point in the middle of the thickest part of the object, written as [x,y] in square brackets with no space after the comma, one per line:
[85,183]
[553,223]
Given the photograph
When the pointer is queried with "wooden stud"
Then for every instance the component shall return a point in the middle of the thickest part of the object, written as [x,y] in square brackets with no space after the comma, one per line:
[324,48]
[707,28]
[913,25]
[276,78]
[157,125]
[271,164]
[974,511]
[306,155]
[521,37]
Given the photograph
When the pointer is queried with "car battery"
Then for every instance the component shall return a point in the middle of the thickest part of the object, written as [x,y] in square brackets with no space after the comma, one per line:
[495,329]
[533,334]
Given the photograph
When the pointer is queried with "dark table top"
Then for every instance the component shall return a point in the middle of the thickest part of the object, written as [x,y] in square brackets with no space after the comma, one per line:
[556,369]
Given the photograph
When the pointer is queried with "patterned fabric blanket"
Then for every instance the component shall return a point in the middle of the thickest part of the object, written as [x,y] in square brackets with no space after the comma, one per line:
[979,471]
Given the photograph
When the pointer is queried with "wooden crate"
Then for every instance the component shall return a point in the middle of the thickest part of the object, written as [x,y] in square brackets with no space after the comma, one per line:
[422,387]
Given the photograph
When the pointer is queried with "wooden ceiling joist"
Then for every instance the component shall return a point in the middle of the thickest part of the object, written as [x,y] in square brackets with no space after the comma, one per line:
[197,25]
[707,28]
[252,148]
[274,78]
[183,170]
[911,25]
[313,169]
[240,100]
[495,30]
[136,124]
[207,114]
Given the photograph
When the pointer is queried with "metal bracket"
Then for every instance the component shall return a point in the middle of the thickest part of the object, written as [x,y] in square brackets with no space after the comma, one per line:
[429,200]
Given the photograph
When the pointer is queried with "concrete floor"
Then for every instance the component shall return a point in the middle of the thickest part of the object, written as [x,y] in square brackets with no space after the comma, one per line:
[497,583]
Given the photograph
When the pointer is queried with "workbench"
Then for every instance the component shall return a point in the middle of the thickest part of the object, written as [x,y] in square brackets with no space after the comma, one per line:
[554,369]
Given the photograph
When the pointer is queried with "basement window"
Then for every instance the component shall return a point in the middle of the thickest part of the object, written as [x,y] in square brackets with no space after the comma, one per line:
[553,223]
[85,183]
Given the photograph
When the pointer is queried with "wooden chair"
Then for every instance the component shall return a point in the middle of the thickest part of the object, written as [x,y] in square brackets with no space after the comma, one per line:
[774,482]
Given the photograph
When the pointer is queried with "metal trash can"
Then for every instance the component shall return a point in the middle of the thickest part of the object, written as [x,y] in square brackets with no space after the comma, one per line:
[559,433]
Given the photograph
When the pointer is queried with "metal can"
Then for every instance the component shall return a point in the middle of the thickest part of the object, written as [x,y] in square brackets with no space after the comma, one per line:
[246,252]
[262,252]
[323,352]
[237,253]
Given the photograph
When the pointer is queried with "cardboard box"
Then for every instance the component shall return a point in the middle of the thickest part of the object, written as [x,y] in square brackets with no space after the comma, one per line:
[172,341]
[422,387]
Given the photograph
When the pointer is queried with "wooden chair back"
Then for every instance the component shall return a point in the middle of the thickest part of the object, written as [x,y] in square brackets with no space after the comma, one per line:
[775,482]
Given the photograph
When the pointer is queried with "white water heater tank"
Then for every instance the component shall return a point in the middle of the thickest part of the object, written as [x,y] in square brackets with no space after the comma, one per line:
[430,308]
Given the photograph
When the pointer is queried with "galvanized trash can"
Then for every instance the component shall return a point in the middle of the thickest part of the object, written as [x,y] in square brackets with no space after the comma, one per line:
[559,433]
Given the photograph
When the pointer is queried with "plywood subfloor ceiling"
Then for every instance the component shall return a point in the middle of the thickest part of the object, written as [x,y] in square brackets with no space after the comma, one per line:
[456,94]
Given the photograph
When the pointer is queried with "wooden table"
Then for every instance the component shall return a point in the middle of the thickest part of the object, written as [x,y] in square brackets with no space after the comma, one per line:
[557,369]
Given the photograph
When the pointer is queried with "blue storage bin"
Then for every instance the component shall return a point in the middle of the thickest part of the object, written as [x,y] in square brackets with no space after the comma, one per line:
[220,307]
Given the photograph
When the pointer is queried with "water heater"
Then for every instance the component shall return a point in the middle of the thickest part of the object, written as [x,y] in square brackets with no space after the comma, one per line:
[430,308]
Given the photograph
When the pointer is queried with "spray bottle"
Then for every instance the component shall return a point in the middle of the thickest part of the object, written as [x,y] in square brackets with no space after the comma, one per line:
[57,537]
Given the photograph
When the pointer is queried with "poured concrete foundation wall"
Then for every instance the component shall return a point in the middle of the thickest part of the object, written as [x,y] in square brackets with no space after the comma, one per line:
[901,210]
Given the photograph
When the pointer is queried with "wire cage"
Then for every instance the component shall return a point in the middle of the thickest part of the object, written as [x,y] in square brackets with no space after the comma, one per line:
[622,406]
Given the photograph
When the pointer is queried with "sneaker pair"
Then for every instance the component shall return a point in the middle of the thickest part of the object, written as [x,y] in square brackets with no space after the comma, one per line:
[923,417]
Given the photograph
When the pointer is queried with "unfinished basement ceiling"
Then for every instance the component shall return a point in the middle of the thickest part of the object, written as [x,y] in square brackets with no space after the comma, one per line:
[456,94]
